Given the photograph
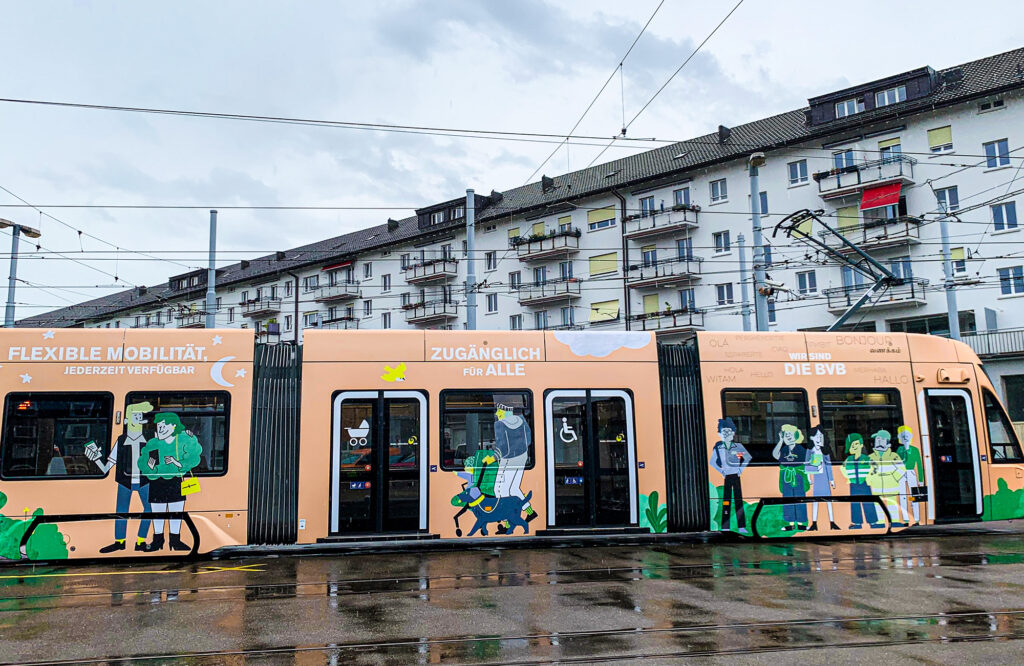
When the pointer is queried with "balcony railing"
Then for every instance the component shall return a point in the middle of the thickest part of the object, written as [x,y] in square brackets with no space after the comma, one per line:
[666,271]
[261,306]
[529,248]
[856,176]
[435,270]
[155,324]
[878,234]
[424,313]
[341,291]
[1007,342]
[911,292]
[668,320]
[340,324]
[191,320]
[546,292]
[661,222]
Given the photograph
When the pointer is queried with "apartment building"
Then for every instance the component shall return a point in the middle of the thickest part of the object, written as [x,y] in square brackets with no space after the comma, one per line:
[654,241]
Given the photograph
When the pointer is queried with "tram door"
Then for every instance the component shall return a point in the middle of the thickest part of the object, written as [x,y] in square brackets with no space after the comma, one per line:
[378,459]
[954,454]
[591,459]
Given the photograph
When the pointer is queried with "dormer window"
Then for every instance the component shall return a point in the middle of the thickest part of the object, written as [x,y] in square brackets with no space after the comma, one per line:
[848,107]
[437,217]
[891,96]
[458,212]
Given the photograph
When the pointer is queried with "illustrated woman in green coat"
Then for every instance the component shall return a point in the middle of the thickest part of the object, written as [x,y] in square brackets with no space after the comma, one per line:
[165,460]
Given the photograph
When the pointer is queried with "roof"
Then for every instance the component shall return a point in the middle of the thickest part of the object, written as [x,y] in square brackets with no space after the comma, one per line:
[975,79]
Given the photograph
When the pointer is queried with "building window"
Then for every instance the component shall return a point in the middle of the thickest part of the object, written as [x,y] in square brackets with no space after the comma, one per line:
[891,96]
[1004,216]
[404,261]
[901,267]
[309,283]
[385,320]
[681,197]
[385,282]
[721,239]
[205,415]
[231,316]
[958,258]
[604,263]
[940,139]
[934,325]
[760,415]
[565,268]
[997,153]
[719,191]
[771,310]
[646,206]
[515,280]
[767,256]
[437,217]
[798,172]
[684,249]
[948,198]
[492,302]
[458,212]
[650,255]
[565,224]
[763,203]
[807,282]
[405,299]
[368,270]
[490,261]
[687,300]
[890,150]
[367,308]
[446,251]
[540,275]
[991,105]
[310,320]
[724,292]
[1011,280]
[568,318]
[515,322]
[848,107]
[287,322]
[842,159]
[540,320]
[473,421]
[56,434]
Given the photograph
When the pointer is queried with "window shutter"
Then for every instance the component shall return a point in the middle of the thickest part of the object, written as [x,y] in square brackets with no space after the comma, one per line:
[565,220]
[888,143]
[601,214]
[513,233]
[849,218]
[604,311]
[604,263]
[940,136]
[650,303]
[957,254]
[538,229]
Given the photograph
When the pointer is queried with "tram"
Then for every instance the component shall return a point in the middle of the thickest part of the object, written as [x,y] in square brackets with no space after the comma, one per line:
[146,443]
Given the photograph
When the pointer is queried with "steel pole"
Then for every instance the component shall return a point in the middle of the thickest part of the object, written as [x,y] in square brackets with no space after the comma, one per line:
[760,300]
[211,275]
[947,270]
[13,278]
[470,261]
[744,287]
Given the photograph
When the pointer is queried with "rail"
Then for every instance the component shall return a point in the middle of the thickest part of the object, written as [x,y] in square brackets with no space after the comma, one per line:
[995,343]
[866,173]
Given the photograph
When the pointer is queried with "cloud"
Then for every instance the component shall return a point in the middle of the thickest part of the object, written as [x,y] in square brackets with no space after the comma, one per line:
[603,343]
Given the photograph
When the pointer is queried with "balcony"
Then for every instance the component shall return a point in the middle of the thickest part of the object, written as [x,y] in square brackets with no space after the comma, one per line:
[435,270]
[191,320]
[879,234]
[430,313]
[666,271]
[851,179]
[547,292]
[157,324]
[340,324]
[259,307]
[990,344]
[560,243]
[910,293]
[668,321]
[676,219]
[342,291]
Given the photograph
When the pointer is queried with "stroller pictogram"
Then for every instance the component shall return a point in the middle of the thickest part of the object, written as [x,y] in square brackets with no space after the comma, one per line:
[357,436]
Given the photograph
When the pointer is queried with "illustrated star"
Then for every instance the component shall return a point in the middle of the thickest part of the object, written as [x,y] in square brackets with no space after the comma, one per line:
[26,378]
[240,372]
[217,340]
[48,335]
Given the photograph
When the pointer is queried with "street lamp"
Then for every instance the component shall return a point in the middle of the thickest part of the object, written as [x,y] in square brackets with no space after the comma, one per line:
[16,231]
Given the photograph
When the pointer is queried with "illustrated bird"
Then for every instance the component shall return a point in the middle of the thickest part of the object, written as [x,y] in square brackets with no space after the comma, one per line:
[395,374]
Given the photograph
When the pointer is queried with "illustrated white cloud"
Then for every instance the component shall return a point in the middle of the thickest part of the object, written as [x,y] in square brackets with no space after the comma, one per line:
[602,344]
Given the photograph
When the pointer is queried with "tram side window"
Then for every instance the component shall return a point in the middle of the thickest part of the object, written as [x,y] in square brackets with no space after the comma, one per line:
[1001,436]
[205,414]
[469,423]
[45,435]
[759,416]
[864,412]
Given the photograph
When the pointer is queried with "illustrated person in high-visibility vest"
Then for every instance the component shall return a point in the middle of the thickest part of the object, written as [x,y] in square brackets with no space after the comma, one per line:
[512,444]
[911,458]
[856,468]
[165,460]
[124,456]
[887,475]
[730,458]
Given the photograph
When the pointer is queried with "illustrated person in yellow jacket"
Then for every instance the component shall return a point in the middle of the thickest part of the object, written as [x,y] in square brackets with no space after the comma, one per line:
[886,477]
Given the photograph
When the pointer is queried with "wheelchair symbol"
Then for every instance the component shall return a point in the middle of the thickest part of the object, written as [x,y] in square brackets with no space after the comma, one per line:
[567,434]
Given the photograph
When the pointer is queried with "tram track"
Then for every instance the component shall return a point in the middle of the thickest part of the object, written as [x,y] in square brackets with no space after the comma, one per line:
[706,640]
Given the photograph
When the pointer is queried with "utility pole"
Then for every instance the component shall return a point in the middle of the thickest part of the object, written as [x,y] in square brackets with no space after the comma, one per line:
[12,280]
[470,261]
[211,275]
[947,271]
[760,300]
[744,277]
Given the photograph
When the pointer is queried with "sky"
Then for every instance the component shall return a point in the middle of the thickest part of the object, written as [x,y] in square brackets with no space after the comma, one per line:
[511,65]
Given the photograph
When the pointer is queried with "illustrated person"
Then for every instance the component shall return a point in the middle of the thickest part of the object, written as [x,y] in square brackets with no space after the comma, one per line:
[124,455]
[512,444]
[911,458]
[887,472]
[792,478]
[818,469]
[165,460]
[730,458]
[856,469]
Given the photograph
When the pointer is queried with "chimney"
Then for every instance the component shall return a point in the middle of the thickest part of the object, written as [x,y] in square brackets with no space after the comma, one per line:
[723,133]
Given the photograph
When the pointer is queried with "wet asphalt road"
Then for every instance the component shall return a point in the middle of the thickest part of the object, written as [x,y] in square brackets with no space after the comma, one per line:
[954,596]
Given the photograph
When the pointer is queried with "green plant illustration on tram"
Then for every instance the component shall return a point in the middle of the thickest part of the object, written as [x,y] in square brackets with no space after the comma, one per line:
[46,542]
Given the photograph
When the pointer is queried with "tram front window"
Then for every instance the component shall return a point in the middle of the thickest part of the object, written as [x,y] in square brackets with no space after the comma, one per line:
[47,435]
[1001,437]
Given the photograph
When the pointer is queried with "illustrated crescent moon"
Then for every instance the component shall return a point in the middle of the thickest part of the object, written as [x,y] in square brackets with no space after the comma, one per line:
[217,370]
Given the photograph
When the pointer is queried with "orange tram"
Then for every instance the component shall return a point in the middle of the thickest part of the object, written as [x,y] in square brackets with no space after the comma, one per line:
[136,443]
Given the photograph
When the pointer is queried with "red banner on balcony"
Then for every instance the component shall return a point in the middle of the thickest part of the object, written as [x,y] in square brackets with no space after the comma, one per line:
[341,264]
[883,195]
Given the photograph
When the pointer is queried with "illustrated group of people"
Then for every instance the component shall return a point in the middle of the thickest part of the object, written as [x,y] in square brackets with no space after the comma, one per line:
[805,464]
[154,470]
